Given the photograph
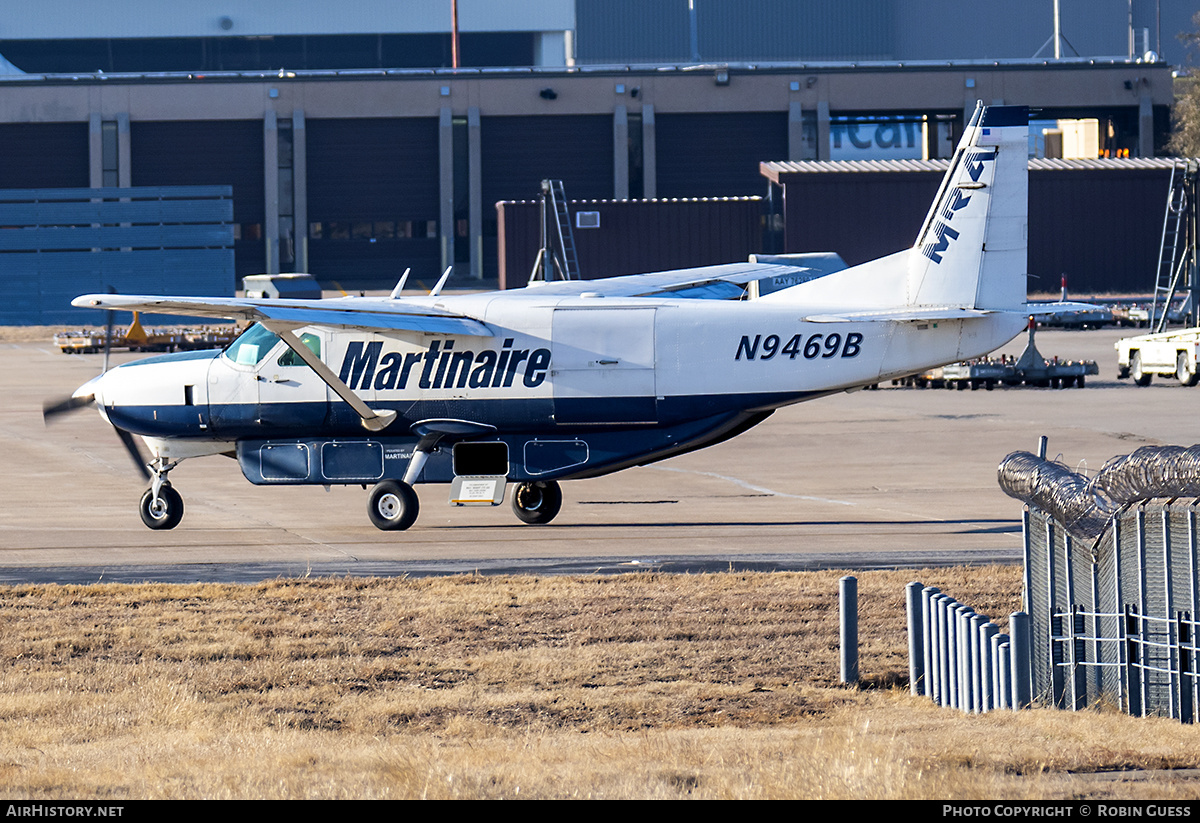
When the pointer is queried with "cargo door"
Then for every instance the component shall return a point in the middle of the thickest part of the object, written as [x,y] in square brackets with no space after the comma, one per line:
[603,366]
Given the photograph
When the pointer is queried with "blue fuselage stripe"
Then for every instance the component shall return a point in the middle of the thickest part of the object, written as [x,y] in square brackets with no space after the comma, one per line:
[337,419]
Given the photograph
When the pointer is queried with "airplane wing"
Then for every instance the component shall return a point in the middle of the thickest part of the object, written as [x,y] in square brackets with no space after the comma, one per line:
[722,282]
[345,313]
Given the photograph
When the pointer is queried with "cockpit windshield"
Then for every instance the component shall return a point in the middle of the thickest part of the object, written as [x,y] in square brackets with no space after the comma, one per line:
[252,345]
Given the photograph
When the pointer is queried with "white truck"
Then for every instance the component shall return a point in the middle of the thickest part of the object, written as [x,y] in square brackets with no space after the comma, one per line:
[1168,353]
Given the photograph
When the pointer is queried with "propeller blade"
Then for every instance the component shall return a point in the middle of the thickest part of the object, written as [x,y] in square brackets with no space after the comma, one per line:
[51,409]
[134,452]
[108,331]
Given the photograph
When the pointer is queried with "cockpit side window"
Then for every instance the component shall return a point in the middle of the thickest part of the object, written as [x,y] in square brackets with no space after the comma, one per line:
[252,345]
[290,358]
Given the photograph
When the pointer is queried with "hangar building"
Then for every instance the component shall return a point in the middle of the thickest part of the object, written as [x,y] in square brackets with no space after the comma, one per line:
[354,149]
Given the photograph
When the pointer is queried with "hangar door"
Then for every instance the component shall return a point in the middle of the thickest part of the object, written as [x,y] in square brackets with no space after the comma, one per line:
[603,366]
[44,155]
[210,153]
[716,155]
[373,200]
[517,153]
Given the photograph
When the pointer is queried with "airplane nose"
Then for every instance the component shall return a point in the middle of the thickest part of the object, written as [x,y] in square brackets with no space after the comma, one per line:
[89,391]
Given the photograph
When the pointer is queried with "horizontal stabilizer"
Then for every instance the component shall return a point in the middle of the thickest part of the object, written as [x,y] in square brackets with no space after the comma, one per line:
[900,315]
[1060,307]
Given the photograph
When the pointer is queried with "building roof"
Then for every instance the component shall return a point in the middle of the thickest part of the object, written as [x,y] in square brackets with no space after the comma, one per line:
[778,171]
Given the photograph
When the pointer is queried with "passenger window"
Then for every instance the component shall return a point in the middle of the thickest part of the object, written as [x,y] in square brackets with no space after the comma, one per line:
[290,358]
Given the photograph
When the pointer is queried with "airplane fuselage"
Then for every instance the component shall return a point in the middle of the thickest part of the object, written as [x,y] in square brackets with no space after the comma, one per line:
[575,386]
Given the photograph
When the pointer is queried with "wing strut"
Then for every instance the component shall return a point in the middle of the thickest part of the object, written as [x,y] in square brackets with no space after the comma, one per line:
[372,420]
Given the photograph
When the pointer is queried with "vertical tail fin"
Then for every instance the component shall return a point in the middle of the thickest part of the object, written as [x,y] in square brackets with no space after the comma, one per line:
[972,248]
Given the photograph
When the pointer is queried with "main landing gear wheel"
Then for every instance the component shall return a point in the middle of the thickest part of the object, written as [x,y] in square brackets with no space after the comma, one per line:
[537,503]
[393,506]
[164,512]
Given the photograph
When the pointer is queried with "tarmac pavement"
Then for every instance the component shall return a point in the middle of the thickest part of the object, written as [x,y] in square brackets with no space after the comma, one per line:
[893,477]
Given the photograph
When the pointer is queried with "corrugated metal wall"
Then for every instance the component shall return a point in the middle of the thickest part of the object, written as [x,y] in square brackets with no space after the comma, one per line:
[785,30]
[637,236]
[860,215]
[633,31]
[1100,227]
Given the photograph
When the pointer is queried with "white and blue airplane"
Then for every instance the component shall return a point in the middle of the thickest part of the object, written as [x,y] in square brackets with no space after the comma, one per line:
[569,379]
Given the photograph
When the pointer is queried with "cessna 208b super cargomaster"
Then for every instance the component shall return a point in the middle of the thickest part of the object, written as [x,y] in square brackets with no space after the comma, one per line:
[570,379]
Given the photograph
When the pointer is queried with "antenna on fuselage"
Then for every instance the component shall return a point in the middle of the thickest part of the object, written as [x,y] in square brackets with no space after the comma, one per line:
[436,290]
[400,286]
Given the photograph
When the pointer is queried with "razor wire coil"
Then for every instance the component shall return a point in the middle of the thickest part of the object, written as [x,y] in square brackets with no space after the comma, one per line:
[1084,505]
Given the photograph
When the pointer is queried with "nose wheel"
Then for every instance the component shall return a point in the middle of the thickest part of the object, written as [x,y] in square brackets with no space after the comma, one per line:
[161,506]
[163,511]
[537,503]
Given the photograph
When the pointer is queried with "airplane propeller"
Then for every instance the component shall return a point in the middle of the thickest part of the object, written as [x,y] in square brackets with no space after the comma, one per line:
[52,409]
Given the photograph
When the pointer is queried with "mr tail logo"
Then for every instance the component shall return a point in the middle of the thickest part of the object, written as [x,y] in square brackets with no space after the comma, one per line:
[954,200]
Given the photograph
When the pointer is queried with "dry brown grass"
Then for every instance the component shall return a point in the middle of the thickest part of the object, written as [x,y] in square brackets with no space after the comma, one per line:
[656,686]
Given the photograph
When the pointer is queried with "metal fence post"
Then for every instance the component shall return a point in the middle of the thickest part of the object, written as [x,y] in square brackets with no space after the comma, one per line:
[987,666]
[943,648]
[916,637]
[1002,653]
[1020,648]
[848,599]
[975,624]
[1133,661]
[929,618]
[1186,673]
[958,684]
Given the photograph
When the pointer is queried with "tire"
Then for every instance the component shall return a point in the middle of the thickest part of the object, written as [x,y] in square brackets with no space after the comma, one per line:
[1183,372]
[168,512]
[1142,378]
[393,506]
[1080,382]
[537,503]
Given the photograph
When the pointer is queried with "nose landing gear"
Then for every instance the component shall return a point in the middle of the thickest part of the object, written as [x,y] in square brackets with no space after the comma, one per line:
[161,506]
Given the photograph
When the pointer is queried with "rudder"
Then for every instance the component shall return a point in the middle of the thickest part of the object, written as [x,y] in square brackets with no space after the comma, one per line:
[972,247]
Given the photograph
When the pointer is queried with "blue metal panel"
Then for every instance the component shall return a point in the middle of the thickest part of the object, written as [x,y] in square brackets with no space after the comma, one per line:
[59,213]
[160,240]
[115,193]
[62,238]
